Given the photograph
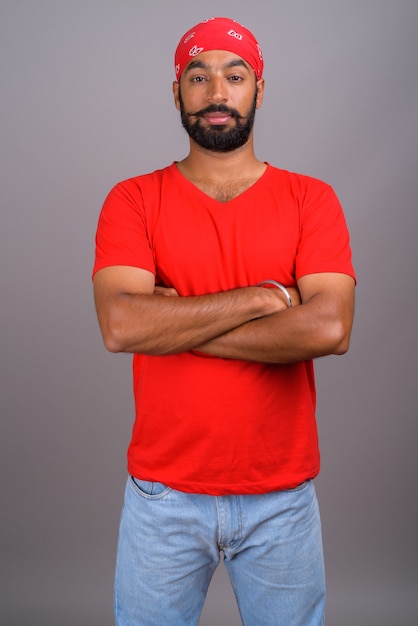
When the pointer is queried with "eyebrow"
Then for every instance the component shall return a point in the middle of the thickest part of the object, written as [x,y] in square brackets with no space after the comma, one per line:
[204,66]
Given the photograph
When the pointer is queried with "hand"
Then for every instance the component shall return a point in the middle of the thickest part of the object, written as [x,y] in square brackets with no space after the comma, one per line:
[295,295]
[279,296]
[164,291]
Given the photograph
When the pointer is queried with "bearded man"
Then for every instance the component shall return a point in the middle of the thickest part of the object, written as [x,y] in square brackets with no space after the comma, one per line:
[224,277]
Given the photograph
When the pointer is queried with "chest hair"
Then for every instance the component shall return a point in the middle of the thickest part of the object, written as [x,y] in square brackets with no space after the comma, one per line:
[225,191]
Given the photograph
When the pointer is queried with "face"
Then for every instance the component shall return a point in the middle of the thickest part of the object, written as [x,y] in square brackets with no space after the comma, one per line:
[217,98]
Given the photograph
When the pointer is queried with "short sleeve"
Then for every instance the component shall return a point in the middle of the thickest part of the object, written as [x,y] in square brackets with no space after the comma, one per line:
[324,243]
[121,237]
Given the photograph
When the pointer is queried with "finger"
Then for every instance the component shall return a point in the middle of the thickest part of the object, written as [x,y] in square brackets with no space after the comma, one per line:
[165,291]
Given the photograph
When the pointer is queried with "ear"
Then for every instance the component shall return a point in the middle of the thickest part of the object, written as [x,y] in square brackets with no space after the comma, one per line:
[260,93]
[176,87]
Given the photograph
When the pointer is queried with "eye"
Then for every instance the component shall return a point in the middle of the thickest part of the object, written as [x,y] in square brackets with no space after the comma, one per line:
[197,79]
[235,78]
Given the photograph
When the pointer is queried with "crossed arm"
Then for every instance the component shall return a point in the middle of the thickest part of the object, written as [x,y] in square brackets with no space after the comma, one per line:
[249,323]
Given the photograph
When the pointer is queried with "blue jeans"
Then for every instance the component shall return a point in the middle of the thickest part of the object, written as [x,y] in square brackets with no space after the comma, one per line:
[171,542]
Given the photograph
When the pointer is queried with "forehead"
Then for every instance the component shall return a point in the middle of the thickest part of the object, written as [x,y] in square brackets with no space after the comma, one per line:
[216,60]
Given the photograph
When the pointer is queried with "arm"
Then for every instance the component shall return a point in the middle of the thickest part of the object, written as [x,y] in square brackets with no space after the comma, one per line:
[320,326]
[134,317]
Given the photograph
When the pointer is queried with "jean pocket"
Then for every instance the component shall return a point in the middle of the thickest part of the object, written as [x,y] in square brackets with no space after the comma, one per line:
[149,489]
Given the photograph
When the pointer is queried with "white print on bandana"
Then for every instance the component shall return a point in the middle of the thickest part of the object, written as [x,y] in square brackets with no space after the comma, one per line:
[233,33]
[195,51]
[189,37]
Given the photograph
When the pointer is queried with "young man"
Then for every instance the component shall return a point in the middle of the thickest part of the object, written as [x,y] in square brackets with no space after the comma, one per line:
[224,446]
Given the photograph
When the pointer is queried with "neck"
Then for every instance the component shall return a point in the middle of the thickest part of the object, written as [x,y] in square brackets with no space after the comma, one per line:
[202,163]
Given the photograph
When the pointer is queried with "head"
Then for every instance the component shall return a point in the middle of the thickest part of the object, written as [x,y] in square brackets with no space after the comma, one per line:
[219,84]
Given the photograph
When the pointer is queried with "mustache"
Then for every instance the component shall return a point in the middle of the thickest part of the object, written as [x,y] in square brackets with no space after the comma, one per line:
[220,108]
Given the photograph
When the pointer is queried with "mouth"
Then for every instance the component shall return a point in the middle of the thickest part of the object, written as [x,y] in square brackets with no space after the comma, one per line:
[218,119]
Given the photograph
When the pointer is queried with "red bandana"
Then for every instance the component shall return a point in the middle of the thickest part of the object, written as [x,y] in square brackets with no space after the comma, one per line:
[219,33]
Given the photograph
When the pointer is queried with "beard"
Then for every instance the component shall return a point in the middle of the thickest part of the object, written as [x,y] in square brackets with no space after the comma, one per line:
[219,138]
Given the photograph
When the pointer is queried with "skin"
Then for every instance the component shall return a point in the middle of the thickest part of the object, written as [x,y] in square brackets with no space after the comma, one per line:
[251,323]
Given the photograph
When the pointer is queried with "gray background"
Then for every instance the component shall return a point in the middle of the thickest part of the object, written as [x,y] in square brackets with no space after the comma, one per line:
[86,101]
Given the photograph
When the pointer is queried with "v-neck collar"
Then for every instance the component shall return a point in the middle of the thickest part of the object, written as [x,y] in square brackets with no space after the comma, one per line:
[209,198]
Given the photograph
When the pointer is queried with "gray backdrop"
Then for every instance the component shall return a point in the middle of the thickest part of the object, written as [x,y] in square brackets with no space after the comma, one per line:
[86,101]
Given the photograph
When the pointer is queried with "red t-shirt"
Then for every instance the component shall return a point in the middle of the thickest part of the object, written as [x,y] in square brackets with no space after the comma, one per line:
[212,425]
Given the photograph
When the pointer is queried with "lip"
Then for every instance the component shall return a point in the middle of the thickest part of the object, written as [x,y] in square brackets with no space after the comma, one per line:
[217,119]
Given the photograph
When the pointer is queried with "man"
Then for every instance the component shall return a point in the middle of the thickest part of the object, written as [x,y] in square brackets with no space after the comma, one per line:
[255,266]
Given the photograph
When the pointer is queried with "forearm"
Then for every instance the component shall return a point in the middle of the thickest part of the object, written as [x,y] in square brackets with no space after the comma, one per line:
[156,325]
[305,332]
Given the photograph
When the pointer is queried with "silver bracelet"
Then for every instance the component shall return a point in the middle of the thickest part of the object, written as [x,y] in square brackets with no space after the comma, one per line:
[279,286]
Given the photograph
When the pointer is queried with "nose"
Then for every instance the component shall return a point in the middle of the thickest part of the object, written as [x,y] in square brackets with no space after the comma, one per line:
[217,91]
